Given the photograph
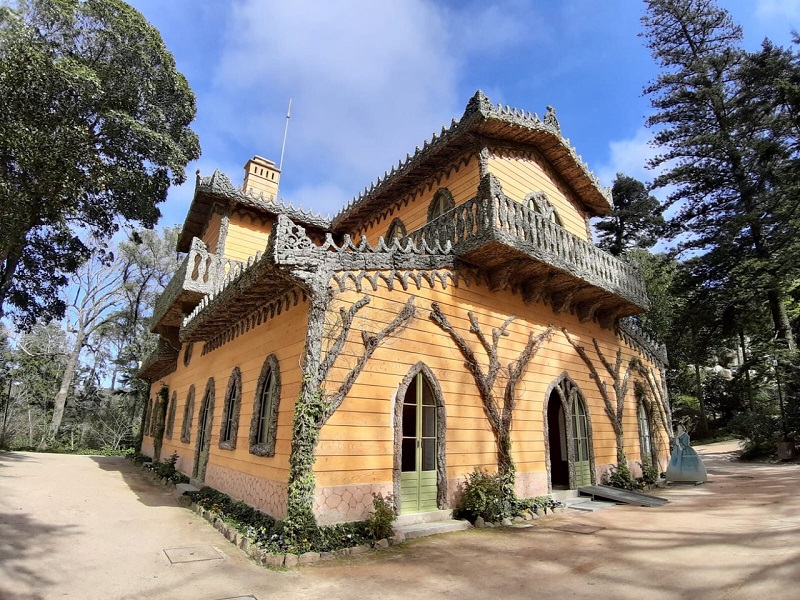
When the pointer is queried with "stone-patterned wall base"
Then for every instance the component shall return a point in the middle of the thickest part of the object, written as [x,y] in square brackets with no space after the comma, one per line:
[346,502]
[265,495]
[530,485]
[147,446]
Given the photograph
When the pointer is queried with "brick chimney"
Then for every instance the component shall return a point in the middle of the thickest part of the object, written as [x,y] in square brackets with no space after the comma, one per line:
[261,176]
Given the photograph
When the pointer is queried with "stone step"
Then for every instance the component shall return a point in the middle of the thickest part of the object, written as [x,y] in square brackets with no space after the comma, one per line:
[418,530]
[564,495]
[185,488]
[433,516]
[590,505]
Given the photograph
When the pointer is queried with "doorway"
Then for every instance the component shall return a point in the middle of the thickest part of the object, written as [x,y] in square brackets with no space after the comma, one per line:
[569,438]
[418,448]
[204,424]
[557,438]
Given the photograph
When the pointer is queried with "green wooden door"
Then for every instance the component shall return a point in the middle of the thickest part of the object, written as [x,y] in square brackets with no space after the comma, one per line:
[418,487]
[580,440]
[203,439]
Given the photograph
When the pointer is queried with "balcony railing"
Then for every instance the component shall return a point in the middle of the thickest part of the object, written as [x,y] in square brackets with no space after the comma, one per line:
[491,219]
[197,276]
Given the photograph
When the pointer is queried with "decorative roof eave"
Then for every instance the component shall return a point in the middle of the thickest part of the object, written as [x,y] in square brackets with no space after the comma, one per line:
[160,363]
[482,119]
[218,188]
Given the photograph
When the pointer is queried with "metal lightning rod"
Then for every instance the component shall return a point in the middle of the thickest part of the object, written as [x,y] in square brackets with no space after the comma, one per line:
[285,131]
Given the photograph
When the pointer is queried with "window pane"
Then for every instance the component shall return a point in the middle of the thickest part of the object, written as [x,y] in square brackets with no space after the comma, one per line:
[428,454]
[428,421]
[265,408]
[427,394]
[409,455]
[409,420]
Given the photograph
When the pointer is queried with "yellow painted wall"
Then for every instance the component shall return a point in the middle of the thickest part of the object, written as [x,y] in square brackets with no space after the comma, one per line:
[211,234]
[247,234]
[357,443]
[283,335]
[462,180]
[521,175]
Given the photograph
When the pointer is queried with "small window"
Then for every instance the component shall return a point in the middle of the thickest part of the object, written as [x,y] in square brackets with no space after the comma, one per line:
[171,415]
[539,203]
[645,439]
[442,202]
[148,418]
[187,354]
[230,412]
[188,413]
[397,230]
[263,427]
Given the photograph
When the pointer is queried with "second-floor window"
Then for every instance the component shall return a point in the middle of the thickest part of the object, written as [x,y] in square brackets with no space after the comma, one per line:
[397,230]
[539,203]
[441,203]
[230,412]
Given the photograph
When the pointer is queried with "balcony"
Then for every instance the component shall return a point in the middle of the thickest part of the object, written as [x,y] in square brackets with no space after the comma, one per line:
[521,249]
[197,276]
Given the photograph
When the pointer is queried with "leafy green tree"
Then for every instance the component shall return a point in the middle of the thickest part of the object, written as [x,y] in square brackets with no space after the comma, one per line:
[95,128]
[635,222]
[727,148]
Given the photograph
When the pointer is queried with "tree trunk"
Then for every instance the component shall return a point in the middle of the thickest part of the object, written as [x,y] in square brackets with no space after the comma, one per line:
[743,346]
[780,318]
[66,383]
[308,415]
[702,426]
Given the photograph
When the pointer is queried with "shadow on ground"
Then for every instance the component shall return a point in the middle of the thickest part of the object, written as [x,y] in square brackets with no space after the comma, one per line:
[147,490]
[23,541]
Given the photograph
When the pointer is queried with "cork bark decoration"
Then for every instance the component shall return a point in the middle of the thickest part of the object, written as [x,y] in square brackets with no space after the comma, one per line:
[500,416]
[620,377]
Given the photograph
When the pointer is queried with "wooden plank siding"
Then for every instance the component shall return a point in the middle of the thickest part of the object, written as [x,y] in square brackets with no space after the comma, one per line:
[461,180]
[210,235]
[367,412]
[521,175]
[247,234]
[284,335]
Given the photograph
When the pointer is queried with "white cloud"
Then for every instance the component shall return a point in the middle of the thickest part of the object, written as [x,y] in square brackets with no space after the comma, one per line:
[366,78]
[324,195]
[630,157]
[778,10]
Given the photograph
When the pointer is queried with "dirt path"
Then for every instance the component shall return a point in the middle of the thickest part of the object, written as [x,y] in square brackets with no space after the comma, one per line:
[96,528]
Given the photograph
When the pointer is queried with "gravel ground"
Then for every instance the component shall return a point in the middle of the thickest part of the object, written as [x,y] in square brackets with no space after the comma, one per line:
[97,528]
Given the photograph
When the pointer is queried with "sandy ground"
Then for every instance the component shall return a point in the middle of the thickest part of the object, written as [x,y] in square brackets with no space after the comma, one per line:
[97,528]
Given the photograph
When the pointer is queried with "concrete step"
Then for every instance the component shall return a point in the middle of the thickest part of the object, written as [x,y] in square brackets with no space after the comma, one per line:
[564,495]
[433,516]
[417,530]
[589,505]
[185,488]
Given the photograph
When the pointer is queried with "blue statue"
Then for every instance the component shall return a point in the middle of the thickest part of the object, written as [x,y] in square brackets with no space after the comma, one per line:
[685,464]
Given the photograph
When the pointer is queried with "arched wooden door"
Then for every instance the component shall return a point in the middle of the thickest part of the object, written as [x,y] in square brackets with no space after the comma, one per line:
[581,460]
[204,424]
[418,448]
[569,437]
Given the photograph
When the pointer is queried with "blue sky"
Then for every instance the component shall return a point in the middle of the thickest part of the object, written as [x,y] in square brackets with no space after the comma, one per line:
[371,80]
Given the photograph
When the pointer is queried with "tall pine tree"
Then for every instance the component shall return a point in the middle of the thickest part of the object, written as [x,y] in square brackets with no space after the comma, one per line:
[726,150]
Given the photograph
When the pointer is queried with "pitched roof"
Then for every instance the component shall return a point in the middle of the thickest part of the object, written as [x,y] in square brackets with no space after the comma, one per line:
[481,119]
[218,188]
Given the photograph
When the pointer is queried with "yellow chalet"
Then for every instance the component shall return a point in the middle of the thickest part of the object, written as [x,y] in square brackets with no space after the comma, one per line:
[455,315]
